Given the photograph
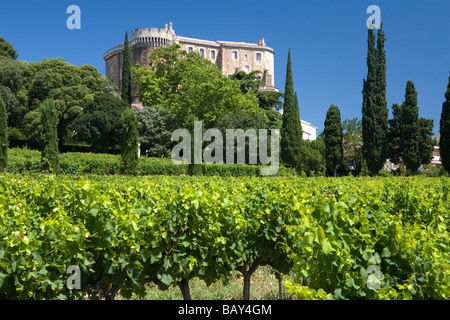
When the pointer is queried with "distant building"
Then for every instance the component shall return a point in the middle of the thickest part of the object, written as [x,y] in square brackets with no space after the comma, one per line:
[309,131]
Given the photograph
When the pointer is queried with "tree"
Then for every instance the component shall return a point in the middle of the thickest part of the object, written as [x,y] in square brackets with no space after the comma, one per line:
[352,143]
[48,136]
[394,135]
[100,122]
[129,142]
[189,86]
[154,130]
[291,130]
[126,72]
[3,136]
[380,99]
[248,81]
[374,111]
[313,157]
[410,133]
[334,154]
[7,50]
[426,141]
[444,143]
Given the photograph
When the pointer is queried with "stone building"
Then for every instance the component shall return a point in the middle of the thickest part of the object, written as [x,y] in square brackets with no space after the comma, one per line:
[229,57]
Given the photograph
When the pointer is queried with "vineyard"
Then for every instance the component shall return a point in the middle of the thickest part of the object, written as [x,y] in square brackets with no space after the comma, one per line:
[126,232]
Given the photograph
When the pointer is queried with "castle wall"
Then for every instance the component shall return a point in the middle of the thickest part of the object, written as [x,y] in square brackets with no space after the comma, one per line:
[229,57]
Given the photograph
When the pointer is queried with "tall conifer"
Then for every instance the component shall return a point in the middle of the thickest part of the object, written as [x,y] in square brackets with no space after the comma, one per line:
[374,112]
[129,148]
[291,130]
[3,136]
[369,84]
[48,136]
[394,135]
[126,72]
[334,152]
[410,134]
[444,143]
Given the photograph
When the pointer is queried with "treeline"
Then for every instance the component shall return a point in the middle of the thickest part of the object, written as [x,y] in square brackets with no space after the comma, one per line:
[365,146]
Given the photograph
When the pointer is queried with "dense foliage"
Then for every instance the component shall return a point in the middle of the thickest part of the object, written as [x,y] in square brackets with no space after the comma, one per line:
[24,86]
[123,232]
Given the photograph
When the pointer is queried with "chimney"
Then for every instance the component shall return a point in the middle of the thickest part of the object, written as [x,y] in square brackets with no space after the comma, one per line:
[170,26]
[166,27]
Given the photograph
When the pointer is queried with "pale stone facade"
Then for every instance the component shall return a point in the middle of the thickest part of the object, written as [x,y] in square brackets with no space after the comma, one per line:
[229,57]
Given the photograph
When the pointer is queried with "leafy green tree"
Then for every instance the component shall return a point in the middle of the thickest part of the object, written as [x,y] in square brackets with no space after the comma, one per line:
[313,157]
[444,143]
[100,122]
[248,81]
[126,72]
[291,131]
[155,129]
[48,136]
[7,50]
[129,142]
[410,133]
[394,135]
[334,153]
[352,143]
[374,111]
[426,141]
[3,136]
[189,86]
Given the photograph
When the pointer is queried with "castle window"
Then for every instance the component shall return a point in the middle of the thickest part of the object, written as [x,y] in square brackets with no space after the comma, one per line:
[246,57]
[234,55]
[190,49]
[258,57]
[213,54]
[202,52]
[247,68]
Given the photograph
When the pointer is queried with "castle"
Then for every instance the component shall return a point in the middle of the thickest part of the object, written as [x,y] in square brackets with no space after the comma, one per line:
[229,56]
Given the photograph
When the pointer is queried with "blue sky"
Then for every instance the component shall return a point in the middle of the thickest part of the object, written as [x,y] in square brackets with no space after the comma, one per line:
[328,39]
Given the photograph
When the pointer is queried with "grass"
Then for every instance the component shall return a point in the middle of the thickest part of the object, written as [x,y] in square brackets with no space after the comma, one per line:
[264,286]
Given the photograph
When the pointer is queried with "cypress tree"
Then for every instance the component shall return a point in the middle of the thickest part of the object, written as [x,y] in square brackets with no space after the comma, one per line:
[426,141]
[374,112]
[334,152]
[394,135]
[129,144]
[291,130]
[48,136]
[367,122]
[382,113]
[3,136]
[444,143]
[410,134]
[126,72]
